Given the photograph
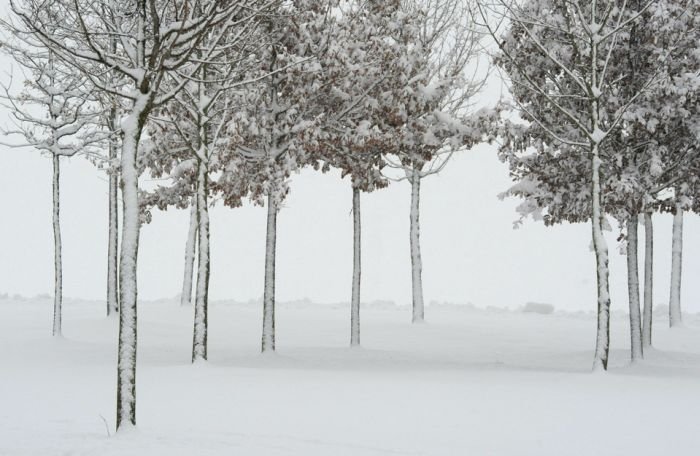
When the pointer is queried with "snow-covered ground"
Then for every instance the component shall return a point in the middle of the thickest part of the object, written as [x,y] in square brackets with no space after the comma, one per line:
[469,382]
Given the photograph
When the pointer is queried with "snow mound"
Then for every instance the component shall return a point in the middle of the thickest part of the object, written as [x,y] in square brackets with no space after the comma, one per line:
[539,308]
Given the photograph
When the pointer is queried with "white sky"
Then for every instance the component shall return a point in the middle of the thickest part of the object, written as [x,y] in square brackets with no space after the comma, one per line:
[471,253]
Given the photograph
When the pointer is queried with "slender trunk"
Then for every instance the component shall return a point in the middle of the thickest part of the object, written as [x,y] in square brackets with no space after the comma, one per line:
[126,364]
[633,288]
[268,336]
[58,267]
[648,279]
[674,303]
[113,233]
[356,269]
[201,325]
[190,252]
[416,262]
[601,253]
[600,360]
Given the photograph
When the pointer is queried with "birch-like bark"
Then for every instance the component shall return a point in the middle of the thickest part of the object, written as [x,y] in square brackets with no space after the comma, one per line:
[356,270]
[190,253]
[600,246]
[126,362]
[633,288]
[268,334]
[674,303]
[113,222]
[58,265]
[201,312]
[600,360]
[648,280]
[416,262]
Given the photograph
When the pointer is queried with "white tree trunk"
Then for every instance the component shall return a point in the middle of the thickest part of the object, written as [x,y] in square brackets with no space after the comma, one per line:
[416,262]
[648,280]
[126,364]
[201,324]
[356,269]
[633,288]
[190,253]
[113,232]
[601,253]
[58,265]
[674,303]
[268,335]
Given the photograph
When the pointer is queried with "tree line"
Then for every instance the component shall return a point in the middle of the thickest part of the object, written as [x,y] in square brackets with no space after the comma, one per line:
[226,101]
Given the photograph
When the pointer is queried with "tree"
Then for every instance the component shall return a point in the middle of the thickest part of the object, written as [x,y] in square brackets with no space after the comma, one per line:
[358,70]
[559,57]
[434,100]
[111,122]
[201,126]
[154,38]
[190,255]
[674,302]
[265,143]
[662,122]
[56,114]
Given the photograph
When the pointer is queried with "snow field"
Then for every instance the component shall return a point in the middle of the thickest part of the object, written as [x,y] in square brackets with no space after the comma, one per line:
[469,382]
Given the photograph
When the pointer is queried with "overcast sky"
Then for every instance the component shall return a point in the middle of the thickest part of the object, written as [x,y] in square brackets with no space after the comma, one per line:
[471,252]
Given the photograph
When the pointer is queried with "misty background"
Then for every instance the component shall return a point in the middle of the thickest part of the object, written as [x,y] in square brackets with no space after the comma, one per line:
[471,252]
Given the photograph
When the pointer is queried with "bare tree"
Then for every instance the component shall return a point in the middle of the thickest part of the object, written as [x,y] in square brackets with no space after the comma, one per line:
[53,114]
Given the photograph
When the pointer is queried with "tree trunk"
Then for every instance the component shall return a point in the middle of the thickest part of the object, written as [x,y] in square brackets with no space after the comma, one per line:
[648,279]
[356,269]
[113,221]
[126,364]
[58,266]
[633,288]
[416,262]
[190,252]
[268,335]
[201,325]
[601,253]
[674,303]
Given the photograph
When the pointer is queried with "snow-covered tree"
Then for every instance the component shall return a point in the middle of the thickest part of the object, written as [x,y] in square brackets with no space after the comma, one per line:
[660,127]
[645,156]
[562,59]
[362,64]
[111,118]
[265,135]
[56,114]
[191,128]
[433,100]
[154,38]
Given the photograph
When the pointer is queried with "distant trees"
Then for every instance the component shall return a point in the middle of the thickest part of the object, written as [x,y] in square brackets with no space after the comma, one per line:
[55,113]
